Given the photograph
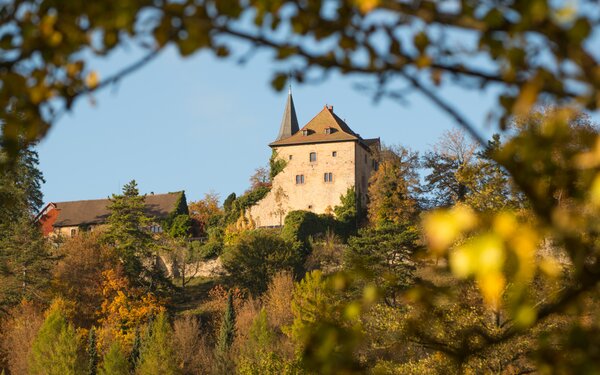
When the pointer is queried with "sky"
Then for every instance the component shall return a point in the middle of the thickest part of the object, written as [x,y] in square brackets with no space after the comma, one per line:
[203,124]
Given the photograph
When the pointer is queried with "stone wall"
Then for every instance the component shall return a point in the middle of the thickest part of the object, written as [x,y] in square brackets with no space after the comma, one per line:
[315,194]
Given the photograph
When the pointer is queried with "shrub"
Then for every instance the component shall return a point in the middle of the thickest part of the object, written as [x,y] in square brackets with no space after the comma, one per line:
[114,361]
[258,256]
[157,355]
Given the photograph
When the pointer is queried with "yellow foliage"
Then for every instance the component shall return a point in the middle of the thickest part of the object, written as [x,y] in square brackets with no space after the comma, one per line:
[124,309]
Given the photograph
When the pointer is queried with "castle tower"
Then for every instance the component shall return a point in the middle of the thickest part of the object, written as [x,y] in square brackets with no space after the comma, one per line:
[323,159]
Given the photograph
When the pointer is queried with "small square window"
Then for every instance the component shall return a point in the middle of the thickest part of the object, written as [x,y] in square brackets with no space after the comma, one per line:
[313,156]
[328,177]
[290,157]
[73,232]
[299,179]
[334,154]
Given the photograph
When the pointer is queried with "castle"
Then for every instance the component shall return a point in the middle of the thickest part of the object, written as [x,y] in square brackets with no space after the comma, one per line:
[322,161]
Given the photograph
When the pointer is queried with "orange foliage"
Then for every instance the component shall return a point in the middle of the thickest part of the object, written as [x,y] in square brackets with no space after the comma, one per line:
[125,308]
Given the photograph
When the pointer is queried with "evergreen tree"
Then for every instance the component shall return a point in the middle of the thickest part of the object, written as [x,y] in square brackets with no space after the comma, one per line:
[156,354]
[227,331]
[24,254]
[383,255]
[134,356]
[114,361]
[128,233]
[55,348]
[92,352]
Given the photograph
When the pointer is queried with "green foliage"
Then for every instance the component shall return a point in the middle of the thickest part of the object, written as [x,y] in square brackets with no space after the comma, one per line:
[348,213]
[127,232]
[259,354]
[300,225]
[55,348]
[114,361]
[227,330]
[134,355]
[156,353]
[92,352]
[181,208]
[276,164]
[258,256]
[382,255]
[25,262]
[228,202]
[181,226]
[210,250]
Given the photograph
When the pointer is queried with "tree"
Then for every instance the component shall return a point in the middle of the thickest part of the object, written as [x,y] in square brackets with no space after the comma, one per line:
[92,352]
[24,254]
[393,188]
[156,354]
[257,257]
[206,212]
[55,349]
[259,354]
[383,256]
[25,262]
[128,233]
[451,154]
[78,274]
[227,330]
[260,179]
[348,213]
[114,361]
[134,355]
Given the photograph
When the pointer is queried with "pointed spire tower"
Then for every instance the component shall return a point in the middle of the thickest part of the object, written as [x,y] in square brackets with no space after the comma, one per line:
[289,123]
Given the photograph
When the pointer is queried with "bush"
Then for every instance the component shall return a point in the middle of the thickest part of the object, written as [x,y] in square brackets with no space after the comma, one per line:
[181,227]
[210,250]
[258,256]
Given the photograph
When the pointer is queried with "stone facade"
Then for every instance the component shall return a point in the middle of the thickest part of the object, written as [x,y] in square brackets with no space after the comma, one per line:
[316,184]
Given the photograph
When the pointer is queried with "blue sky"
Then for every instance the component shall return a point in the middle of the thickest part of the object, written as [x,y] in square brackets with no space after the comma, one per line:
[202,124]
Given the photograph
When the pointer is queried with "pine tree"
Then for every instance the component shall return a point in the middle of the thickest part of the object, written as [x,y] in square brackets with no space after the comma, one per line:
[227,331]
[24,254]
[128,233]
[114,361]
[134,356]
[156,354]
[92,353]
[55,349]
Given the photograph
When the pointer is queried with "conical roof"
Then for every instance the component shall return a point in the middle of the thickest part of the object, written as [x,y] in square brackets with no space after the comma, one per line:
[289,122]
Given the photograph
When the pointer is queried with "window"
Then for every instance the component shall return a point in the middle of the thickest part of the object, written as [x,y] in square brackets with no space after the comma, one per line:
[73,232]
[313,156]
[155,228]
[327,130]
[334,154]
[290,157]
[305,132]
[299,179]
[328,177]
[365,158]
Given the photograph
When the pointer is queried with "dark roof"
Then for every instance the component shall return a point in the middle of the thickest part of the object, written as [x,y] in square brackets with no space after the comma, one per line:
[289,122]
[340,131]
[96,211]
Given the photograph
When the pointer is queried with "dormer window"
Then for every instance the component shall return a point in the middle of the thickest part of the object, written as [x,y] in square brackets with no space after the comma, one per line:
[305,132]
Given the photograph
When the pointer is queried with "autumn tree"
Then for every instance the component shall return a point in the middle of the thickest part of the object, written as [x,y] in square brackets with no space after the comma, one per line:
[205,212]
[450,156]
[394,187]
[78,274]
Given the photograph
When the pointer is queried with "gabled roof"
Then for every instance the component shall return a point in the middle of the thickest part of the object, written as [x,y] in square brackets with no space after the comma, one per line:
[92,212]
[289,122]
[317,133]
